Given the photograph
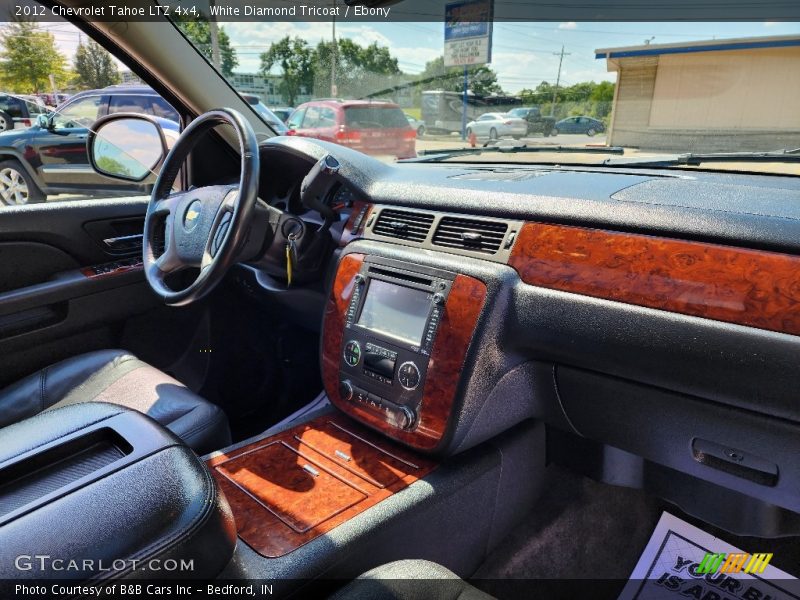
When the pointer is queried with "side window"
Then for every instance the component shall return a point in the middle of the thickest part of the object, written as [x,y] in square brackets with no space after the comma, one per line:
[130,104]
[13,106]
[80,113]
[73,99]
[162,108]
[311,119]
[296,119]
[327,117]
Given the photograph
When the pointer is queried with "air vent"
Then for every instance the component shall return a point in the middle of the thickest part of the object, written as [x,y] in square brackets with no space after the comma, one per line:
[410,226]
[470,234]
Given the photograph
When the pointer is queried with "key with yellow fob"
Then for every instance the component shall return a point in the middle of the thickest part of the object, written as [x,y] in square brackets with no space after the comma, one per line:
[291,257]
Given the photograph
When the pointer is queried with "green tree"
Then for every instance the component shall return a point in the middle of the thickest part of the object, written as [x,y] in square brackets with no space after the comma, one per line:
[28,56]
[482,80]
[296,61]
[360,70]
[199,33]
[94,67]
[583,98]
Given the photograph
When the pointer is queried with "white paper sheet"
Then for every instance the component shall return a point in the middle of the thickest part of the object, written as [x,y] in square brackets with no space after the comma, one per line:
[667,569]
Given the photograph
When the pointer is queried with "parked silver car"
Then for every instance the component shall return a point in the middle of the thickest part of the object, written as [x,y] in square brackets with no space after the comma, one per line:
[416,124]
[495,125]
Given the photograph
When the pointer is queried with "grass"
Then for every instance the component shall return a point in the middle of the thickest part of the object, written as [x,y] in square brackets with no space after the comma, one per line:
[414,112]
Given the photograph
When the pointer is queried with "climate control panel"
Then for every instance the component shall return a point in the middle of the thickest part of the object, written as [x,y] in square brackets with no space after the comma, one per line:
[391,323]
[395,340]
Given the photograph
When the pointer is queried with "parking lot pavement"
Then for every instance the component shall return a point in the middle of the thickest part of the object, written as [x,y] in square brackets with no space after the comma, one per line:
[455,141]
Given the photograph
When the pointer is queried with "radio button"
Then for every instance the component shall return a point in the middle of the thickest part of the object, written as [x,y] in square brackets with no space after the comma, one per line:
[408,375]
[352,353]
[361,396]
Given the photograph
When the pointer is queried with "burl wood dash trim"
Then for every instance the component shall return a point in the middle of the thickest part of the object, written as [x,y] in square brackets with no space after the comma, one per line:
[288,489]
[736,285]
[460,316]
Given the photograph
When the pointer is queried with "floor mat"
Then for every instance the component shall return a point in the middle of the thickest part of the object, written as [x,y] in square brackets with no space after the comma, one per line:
[582,530]
[684,561]
[579,528]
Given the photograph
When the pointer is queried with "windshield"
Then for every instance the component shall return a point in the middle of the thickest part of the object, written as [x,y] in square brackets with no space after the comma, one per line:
[654,89]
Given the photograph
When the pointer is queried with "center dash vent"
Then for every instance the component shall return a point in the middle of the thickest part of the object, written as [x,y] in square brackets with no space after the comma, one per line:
[470,234]
[410,226]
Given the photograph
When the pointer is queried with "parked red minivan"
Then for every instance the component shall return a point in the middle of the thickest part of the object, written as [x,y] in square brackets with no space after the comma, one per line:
[377,128]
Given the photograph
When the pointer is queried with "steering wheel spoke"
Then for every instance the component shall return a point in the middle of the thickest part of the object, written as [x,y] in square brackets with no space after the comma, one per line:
[168,204]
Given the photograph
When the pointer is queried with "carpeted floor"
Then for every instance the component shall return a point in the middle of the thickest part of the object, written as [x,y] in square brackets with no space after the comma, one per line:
[582,529]
[579,528]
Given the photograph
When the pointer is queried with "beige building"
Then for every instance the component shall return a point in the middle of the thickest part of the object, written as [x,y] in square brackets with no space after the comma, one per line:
[707,96]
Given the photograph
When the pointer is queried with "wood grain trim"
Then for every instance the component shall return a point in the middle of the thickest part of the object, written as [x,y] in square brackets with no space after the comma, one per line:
[351,233]
[279,506]
[736,285]
[89,271]
[459,318]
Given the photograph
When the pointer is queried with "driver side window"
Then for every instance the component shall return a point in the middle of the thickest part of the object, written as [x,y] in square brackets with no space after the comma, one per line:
[80,113]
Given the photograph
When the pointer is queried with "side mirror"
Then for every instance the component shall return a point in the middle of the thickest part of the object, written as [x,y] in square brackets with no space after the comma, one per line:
[43,121]
[126,146]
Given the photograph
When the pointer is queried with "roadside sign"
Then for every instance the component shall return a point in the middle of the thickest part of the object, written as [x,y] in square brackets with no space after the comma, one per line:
[468,32]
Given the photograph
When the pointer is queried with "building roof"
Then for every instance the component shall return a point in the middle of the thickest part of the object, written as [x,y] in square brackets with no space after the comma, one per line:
[778,41]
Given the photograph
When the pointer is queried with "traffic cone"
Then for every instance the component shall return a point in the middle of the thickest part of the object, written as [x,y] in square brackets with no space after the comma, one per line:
[472,139]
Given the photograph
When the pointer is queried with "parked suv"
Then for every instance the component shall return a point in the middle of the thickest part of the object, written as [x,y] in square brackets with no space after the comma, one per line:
[17,112]
[537,123]
[50,157]
[377,128]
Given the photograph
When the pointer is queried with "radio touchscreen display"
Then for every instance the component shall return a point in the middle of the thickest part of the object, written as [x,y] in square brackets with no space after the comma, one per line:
[395,310]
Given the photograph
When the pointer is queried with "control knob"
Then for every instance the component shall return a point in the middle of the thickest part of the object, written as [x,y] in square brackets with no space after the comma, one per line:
[352,353]
[345,390]
[406,418]
[408,375]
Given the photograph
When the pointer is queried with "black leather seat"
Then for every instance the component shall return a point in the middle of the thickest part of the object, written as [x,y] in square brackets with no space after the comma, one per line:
[118,377]
[410,580]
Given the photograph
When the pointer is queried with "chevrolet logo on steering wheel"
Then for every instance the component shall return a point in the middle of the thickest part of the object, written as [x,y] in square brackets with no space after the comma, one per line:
[190,218]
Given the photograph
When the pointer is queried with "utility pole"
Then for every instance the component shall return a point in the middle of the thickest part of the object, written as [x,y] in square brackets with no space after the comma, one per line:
[214,32]
[561,56]
[334,49]
[464,104]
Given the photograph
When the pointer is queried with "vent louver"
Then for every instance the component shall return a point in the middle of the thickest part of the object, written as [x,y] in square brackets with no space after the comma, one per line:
[470,234]
[410,226]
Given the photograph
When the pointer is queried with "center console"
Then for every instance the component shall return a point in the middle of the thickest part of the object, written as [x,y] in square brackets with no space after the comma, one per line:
[394,342]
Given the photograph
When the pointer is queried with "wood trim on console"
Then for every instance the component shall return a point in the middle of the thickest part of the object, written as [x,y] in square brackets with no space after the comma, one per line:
[736,285]
[459,318]
[290,488]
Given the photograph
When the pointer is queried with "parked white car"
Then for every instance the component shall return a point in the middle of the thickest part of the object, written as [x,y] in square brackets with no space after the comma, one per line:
[495,125]
[416,124]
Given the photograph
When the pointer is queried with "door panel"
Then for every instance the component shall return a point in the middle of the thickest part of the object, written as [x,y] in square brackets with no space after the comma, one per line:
[48,290]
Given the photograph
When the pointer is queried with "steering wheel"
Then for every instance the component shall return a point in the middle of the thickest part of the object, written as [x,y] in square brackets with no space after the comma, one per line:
[205,227]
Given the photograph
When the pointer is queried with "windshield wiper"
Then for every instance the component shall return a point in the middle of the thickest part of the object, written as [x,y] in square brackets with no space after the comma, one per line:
[446,153]
[694,159]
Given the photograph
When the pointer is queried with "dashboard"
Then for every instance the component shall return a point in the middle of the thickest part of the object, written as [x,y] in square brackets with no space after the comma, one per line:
[654,312]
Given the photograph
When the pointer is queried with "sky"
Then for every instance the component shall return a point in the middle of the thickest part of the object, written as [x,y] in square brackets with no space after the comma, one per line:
[523,53]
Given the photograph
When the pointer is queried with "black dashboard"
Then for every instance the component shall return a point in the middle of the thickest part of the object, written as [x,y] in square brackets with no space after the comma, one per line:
[650,381]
